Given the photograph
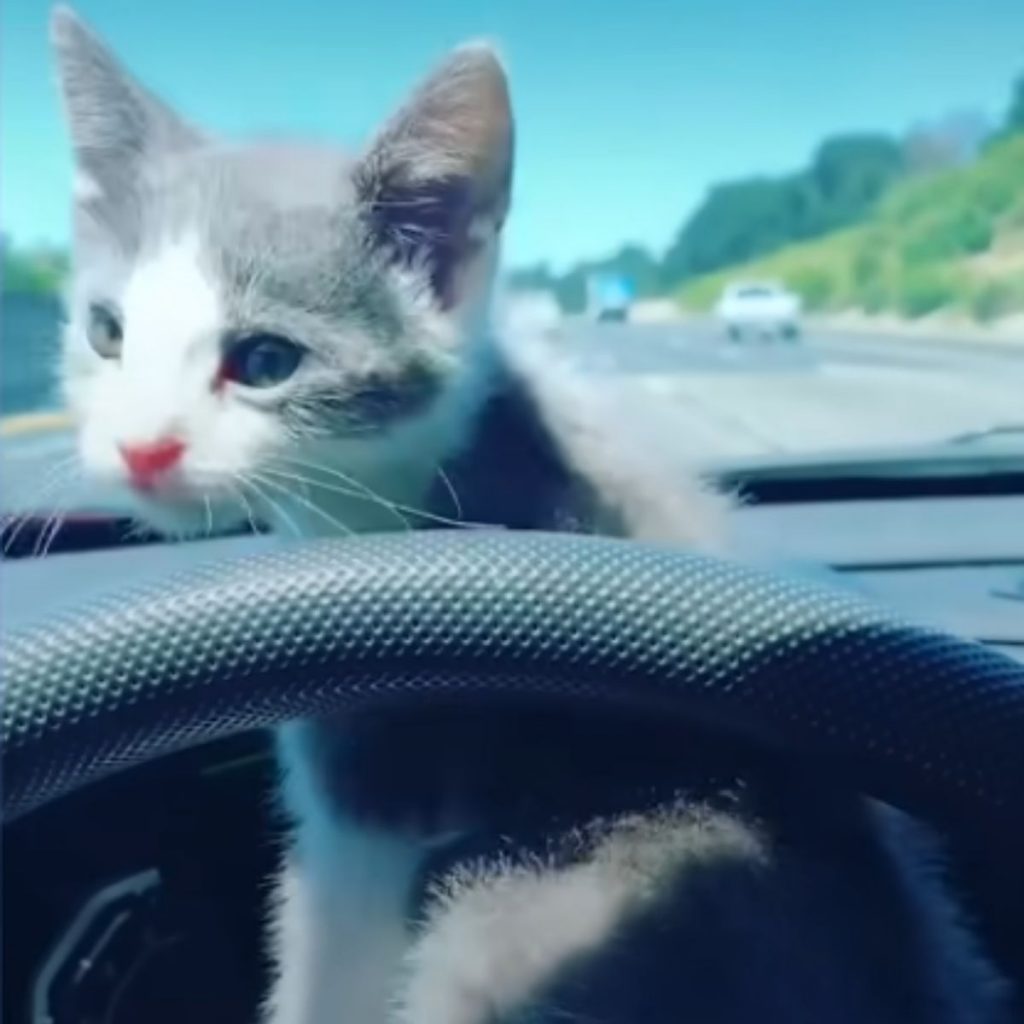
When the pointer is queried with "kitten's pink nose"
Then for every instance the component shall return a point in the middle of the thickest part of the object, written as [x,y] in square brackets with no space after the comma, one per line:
[148,462]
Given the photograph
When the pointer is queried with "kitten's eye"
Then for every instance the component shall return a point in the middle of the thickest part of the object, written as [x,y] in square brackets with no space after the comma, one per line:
[104,331]
[261,360]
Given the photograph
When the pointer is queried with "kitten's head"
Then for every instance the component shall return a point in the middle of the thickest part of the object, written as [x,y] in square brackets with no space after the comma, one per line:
[238,312]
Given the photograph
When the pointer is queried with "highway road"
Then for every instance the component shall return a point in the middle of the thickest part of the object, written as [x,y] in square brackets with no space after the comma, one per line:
[828,392]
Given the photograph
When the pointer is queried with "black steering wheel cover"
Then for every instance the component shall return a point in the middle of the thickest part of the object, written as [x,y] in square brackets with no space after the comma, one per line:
[921,719]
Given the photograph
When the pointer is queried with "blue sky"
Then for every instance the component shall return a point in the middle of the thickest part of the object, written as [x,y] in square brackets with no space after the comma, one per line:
[627,110]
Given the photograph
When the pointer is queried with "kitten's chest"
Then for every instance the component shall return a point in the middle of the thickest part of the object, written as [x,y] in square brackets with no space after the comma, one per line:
[482,770]
[388,804]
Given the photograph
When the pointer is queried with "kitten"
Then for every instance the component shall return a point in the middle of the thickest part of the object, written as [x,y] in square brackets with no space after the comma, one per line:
[299,335]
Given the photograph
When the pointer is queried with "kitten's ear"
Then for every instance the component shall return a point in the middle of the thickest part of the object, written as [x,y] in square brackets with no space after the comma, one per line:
[436,180]
[116,125]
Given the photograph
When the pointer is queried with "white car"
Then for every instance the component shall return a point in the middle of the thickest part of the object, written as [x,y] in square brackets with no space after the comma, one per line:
[762,309]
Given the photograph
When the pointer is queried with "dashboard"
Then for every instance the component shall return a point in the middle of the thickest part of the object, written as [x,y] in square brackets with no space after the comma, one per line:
[144,896]
[956,562]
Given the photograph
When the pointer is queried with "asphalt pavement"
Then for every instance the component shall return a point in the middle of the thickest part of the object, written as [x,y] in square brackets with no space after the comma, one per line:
[827,391]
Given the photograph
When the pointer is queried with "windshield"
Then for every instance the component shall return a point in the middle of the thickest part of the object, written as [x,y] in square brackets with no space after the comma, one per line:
[862,165]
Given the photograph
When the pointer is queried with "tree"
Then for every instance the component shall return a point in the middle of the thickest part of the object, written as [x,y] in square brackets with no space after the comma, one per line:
[738,221]
[1014,121]
[38,271]
[530,278]
[850,173]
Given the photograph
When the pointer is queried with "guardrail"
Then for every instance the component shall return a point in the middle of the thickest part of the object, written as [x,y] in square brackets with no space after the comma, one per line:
[35,422]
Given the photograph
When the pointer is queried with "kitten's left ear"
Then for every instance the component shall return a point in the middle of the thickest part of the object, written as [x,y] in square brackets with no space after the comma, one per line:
[436,180]
[116,124]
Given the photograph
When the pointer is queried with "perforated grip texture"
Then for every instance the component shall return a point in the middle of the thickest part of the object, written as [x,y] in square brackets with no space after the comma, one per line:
[927,721]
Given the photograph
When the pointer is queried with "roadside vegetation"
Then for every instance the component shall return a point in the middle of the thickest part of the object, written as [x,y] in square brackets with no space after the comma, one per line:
[930,222]
[32,271]
[951,241]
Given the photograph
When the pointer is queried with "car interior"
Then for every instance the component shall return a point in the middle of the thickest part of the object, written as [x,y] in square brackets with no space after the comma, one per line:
[787,246]
[142,896]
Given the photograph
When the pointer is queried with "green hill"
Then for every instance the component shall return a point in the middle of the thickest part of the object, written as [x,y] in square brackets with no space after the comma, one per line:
[953,240]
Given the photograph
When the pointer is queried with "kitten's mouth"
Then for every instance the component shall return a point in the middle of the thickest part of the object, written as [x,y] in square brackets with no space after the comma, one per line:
[166,489]
[184,510]
[177,487]
[150,488]
[176,496]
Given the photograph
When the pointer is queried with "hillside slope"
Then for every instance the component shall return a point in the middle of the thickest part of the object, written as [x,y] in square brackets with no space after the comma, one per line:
[950,241]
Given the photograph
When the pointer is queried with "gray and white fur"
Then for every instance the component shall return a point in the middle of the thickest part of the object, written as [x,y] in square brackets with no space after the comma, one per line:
[483,865]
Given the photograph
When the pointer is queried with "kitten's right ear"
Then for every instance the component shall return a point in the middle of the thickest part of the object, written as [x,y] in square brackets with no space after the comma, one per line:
[116,125]
[436,179]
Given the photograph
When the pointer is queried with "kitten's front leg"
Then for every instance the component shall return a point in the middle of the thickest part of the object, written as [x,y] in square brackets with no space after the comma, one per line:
[338,943]
[339,931]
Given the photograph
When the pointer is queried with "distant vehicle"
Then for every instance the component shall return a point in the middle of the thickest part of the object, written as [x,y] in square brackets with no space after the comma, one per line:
[764,309]
[609,297]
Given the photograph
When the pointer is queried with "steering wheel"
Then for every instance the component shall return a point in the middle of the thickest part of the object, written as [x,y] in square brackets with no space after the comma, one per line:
[922,720]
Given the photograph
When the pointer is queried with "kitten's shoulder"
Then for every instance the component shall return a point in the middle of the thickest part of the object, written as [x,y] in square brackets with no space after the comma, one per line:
[645,484]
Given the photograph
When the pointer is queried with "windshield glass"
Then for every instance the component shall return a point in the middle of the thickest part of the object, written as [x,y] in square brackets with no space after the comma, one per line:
[862,167]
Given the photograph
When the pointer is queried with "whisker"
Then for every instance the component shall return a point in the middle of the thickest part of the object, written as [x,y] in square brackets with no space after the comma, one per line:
[369,492]
[208,506]
[135,530]
[446,480]
[433,517]
[53,481]
[306,482]
[16,524]
[397,506]
[54,522]
[50,479]
[58,525]
[246,507]
[361,489]
[346,491]
[40,541]
[274,505]
[346,531]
